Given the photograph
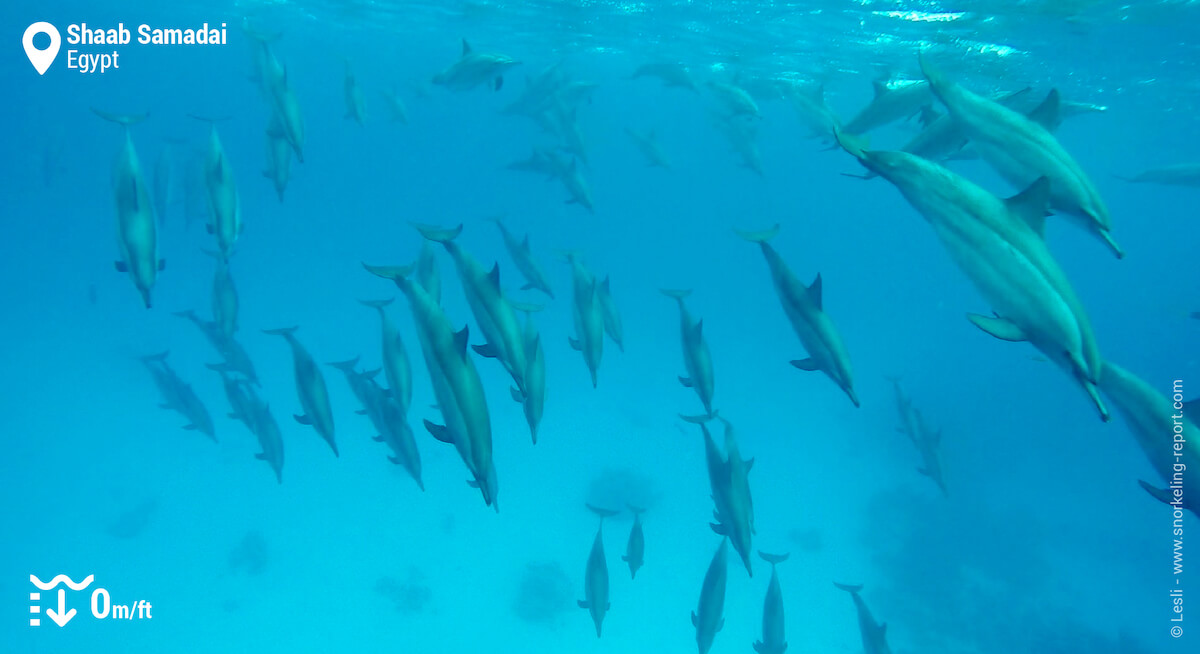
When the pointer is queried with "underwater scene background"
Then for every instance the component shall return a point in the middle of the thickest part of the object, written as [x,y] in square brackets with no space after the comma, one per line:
[1042,543]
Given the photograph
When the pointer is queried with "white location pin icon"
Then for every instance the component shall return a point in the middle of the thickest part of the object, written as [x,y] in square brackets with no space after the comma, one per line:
[41,59]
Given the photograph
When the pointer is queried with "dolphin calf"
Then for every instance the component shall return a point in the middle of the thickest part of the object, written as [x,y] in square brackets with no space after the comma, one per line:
[396,366]
[224,296]
[310,386]
[635,548]
[1187,174]
[696,358]
[707,618]
[225,209]
[670,74]
[473,69]
[612,317]
[587,315]
[998,244]
[178,395]
[874,635]
[893,100]
[493,313]
[648,145]
[773,640]
[455,381]
[356,104]
[522,257]
[595,576]
[137,229]
[804,310]
[1166,429]
[1022,150]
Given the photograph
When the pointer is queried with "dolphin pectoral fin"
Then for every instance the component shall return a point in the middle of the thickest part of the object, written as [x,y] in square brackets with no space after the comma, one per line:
[625,558]
[1161,494]
[361,412]
[121,266]
[806,364]
[685,381]
[190,427]
[394,459]
[1001,328]
[304,420]
[760,647]
[924,472]
[439,432]
[719,529]
[574,342]
[208,228]
[583,604]
[261,456]
[695,620]
[377,438]
[516,395]
[486,350]
[1048,114]
[528,287]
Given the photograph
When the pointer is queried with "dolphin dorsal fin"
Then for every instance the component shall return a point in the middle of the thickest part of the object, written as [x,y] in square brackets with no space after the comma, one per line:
[699,329]
[879,86]
[460,341]
[814,291]
[1030,205]
[466,48]
[494,276]
[1048,114]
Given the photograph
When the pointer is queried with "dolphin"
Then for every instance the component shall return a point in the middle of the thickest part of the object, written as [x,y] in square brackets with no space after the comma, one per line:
[1187,174]
[493,313]
[267,431]
[874,635]
[455,382]
[707,617]
[356,104]
[587,315]
[1022,150]
[804,310]
[395,106]
[473,69]
[742,136]
[635,549]
[612,317]
[564,122]
[310,386]
[1167,431]
[696,358]
[396,366]
[928,445]
[137,229]
[178,395]
[736,100]
[810,107]
[522,256]
[648,145]
[288,123]
[386,416]
[999,245]
[670,74]
[539,163]
[279,158]
[539,93]
[773,640]
[266,69]
[238,395]
[224,207]
[533,400]
[236,358]
[427,273]
[595,576]
[909,420]
[577,187]
[893,100]
[224,296]
[735,506]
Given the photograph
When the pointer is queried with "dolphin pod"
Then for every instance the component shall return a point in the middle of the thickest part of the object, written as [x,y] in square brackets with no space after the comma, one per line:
[803,307]
[999,245]
[137,229]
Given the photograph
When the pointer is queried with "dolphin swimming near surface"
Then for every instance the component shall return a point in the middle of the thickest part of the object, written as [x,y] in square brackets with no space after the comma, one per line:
[773,639]
[587,315]
[178,395]
[736,100]
[310,386]
[707,618]
[1167,430]
[455,380]
[696,358]
[803,307]
[137,229]
[595,576]
[473,69]
[1023,150]
[522,256]
[874,635]
[670,74]
[893,100]
[635,548]
[999,245]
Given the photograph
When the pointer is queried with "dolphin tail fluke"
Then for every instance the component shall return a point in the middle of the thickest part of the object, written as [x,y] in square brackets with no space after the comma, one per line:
[853,589]
[121,119]
[773,559]
[439,234]
[377,304]
[698,420]
[603,513]
[282,331]
[762,236]
[635,510]
[393,273]
[346,366]
[150,358]
[678,294]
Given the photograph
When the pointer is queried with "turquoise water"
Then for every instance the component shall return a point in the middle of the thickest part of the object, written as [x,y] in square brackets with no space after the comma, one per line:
[1044,543]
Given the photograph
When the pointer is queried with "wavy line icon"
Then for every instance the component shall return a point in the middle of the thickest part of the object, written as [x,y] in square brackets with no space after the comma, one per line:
[62,579]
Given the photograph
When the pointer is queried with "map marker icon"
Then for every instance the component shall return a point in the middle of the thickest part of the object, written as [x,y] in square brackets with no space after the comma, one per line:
[41,59]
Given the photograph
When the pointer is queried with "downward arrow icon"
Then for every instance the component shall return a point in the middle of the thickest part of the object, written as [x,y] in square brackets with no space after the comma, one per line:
[62,616]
